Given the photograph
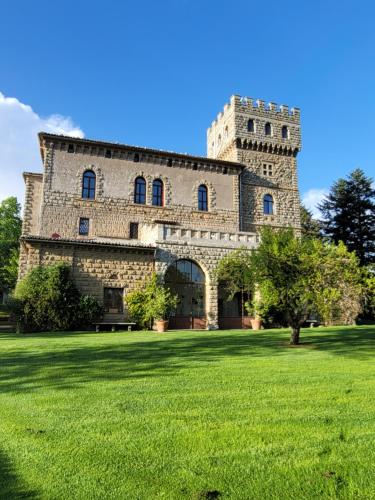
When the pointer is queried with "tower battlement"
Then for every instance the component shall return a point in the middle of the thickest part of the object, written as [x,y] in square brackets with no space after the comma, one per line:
[258,107]
[256,122]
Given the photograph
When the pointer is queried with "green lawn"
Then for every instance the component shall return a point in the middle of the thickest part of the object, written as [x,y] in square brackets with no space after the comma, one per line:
[229,414]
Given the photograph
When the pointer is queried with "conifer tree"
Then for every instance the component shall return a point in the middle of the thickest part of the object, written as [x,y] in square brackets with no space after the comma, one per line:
[349,215]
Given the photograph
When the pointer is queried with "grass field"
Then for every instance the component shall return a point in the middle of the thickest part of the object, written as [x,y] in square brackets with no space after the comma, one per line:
[229,414]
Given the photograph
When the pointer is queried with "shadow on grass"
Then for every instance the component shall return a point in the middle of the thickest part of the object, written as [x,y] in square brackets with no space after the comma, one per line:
[64,365]
[11,488]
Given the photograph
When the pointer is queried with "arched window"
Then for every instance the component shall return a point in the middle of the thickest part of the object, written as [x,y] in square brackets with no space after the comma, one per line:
[202,198]
[285,132]
[250,125]
[268,204]
[157,193]
[187,280]
[88,185]
[268,129]
[140,191]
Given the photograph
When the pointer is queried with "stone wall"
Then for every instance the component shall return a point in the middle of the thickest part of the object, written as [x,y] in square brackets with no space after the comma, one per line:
[93,267]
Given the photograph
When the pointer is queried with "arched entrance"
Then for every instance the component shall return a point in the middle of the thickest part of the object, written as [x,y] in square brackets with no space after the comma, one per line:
[186,279]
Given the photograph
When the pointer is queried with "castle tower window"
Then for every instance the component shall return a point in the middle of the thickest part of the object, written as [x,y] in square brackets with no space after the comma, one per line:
[108,153]
[268,204]
[268,129]
[219,139]
[136,157]
[202,198]
[226,132]
[133,230]
[70,148]
[140,191]
[88,185]
[251,125]
[84,225]
[285,132]
[157,193]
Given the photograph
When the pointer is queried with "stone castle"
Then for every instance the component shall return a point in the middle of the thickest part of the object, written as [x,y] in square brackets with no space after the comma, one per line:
[116,213]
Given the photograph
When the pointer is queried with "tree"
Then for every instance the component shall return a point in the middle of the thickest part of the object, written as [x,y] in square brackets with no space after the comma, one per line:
[47,299]
[298,276]
[154,301]
[349,215]
[236,273]
[310,227]
[10,232]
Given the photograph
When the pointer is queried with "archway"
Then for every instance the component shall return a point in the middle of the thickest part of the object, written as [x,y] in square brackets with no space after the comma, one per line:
[186,279]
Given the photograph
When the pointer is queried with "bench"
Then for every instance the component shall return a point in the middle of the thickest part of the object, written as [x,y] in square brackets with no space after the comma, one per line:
[113,325]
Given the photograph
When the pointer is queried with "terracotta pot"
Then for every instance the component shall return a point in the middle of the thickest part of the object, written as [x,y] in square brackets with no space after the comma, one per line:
[161,325]
[256,323]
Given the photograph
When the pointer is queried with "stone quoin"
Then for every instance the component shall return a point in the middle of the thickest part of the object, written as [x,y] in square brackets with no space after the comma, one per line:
[116,213]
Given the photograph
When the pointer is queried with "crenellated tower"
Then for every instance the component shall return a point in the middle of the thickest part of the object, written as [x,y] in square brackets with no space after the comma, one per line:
[266,140]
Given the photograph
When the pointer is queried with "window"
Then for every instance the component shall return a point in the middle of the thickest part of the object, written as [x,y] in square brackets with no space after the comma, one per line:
[157,193]
[250,125]
[219,139]
[226,132]
[202,198]
[140,191]
[268,129]
[84,225]
[267,169]
[136,157]
[88,185]
[108,153]
[70,148]
[268,204]
[133,231]
[113,300]
[285,132]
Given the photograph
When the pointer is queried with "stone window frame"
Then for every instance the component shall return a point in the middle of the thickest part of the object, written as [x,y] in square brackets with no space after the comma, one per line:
[211,192]
[253,126]
[149,182]
[90,226]
[274,203]
[99,182]
[285,127]
[271,134]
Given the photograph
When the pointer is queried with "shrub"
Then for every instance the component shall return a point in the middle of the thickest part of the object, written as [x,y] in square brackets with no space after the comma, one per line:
[47,299]
[154,301]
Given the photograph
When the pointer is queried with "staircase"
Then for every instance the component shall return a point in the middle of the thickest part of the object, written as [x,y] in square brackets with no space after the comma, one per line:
[6,325]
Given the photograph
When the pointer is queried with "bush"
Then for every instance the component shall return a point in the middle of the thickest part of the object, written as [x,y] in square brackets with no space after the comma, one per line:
[155,301]
[47,299]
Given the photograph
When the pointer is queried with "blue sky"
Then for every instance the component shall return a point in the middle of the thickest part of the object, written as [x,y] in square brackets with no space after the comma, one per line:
[157,73]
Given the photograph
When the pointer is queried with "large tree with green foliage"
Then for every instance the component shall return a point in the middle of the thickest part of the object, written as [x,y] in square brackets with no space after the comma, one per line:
[348,214]
[310,227]
[10,232]
[298,276]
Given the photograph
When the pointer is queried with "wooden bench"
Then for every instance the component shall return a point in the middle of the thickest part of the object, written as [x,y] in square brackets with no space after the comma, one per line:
[113,325]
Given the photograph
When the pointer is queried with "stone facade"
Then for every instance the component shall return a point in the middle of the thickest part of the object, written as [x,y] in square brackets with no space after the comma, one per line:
[243,165]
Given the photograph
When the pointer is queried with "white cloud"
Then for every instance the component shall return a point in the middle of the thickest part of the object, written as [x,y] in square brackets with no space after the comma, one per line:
[312,198]
[19,147]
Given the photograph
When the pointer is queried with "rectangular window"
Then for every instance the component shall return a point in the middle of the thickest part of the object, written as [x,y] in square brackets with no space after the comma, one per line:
[267,169]
[84,225]
[114,300]
[133,230]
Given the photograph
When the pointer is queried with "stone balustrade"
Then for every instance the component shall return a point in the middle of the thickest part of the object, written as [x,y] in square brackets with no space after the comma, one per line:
[173,234]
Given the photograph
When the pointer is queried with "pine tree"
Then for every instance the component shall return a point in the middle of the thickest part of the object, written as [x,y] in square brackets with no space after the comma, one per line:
[349,215]
[310,227]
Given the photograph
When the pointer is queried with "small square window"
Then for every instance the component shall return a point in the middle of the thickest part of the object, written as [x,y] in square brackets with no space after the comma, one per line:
[84,225]
[133,230]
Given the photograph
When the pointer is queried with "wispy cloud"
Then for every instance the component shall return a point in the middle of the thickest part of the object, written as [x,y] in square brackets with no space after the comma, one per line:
[19,150]
[312,198]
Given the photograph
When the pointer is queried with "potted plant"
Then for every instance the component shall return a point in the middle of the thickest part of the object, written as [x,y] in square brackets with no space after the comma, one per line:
[255,310]
[163,304]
